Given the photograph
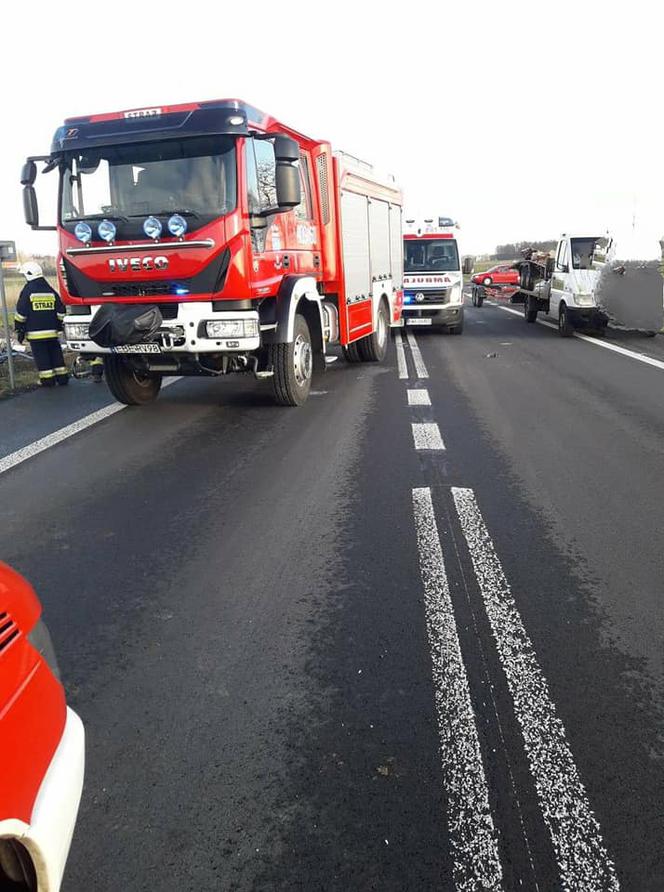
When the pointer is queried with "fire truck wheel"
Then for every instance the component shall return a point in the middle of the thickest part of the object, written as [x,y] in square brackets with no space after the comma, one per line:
[374,347]
[352,353]
[129,386]
[293,366]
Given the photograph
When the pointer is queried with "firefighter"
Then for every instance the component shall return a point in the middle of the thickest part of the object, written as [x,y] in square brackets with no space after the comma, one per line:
[38,317]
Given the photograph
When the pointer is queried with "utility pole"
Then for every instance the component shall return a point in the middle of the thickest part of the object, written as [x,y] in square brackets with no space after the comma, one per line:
[7,252]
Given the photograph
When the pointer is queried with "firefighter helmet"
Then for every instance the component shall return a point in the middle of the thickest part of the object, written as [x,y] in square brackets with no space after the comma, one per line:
[31,270]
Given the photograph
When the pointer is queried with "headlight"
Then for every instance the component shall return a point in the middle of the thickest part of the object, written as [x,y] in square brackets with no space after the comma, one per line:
[177,225]
[456,294]
[83,232]
[232,328]
[584,299]
[106,230]
[77,331]
[152,227]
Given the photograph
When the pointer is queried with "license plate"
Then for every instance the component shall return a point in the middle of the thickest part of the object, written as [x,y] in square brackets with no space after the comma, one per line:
[137,348]
[419,322]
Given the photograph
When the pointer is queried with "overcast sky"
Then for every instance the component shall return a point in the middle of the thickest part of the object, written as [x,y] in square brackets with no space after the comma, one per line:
[519,124]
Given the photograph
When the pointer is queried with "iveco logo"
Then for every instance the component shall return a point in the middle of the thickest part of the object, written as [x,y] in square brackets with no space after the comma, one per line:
[419,297]
[137,264]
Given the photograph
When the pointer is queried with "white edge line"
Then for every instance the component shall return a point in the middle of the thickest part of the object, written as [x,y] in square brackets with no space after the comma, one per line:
[583,860]
[20,455]
[615,348]
[473,837]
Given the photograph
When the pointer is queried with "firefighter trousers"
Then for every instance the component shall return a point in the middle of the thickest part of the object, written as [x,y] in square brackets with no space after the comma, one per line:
[47,354]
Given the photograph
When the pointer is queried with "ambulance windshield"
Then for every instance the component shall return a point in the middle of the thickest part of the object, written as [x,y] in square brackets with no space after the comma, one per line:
[196,175]
[430,255]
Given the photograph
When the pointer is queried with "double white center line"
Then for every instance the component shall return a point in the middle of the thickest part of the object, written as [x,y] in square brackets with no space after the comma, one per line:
[421,370]
[472,833]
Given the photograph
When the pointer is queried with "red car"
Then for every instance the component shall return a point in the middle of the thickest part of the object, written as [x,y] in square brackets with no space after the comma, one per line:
[502,274]
[41,747]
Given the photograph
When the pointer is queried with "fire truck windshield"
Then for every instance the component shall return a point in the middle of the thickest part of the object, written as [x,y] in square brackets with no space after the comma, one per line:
[195,176]
[430,255]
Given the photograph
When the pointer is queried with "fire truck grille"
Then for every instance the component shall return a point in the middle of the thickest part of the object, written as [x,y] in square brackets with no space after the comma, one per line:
[321,162]
[8,630]
[140,289]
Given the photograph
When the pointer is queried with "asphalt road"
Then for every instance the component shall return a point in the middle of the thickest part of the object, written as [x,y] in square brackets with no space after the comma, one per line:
[310,655]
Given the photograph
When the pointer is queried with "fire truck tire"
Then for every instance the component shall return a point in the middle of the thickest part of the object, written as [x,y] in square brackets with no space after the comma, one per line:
[352,352]
[293,366]
[374,347]
[127,385]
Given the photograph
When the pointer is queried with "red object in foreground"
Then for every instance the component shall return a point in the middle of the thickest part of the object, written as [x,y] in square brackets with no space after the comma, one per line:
[502,274]
[41,747]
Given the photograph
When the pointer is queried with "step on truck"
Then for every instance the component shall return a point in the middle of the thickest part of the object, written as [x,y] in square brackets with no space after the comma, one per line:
[433,276]
[209,238]
[593,280]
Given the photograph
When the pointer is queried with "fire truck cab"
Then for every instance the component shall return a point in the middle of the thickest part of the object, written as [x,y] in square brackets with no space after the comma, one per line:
[433,275]
[210,238]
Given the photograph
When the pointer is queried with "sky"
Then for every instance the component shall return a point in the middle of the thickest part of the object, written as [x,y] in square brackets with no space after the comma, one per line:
[520,120]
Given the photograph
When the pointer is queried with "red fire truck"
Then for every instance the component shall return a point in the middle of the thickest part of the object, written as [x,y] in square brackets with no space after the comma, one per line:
[209,238]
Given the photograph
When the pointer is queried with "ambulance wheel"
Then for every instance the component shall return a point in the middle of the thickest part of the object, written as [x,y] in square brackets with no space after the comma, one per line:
[293,366]
[352,352]
[129,386]
[374,347]
[565,327]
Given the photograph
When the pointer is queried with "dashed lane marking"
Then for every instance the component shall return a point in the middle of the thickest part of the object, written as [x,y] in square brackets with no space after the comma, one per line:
[596,342]
[16,458]
[401,355]
[582,858]
[419,397]
[420,368]
[427,436]
[472,833]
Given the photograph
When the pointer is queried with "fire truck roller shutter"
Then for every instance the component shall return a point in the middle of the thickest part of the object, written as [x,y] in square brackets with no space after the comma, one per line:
[379,247]
[298,294]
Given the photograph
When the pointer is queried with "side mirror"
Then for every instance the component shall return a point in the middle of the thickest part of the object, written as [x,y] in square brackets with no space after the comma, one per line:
[288,186]
[286,149]
[286,153]
[30,206]
[28,173]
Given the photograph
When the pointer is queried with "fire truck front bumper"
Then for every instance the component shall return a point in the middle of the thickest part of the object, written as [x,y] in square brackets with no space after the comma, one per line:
[190,328]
